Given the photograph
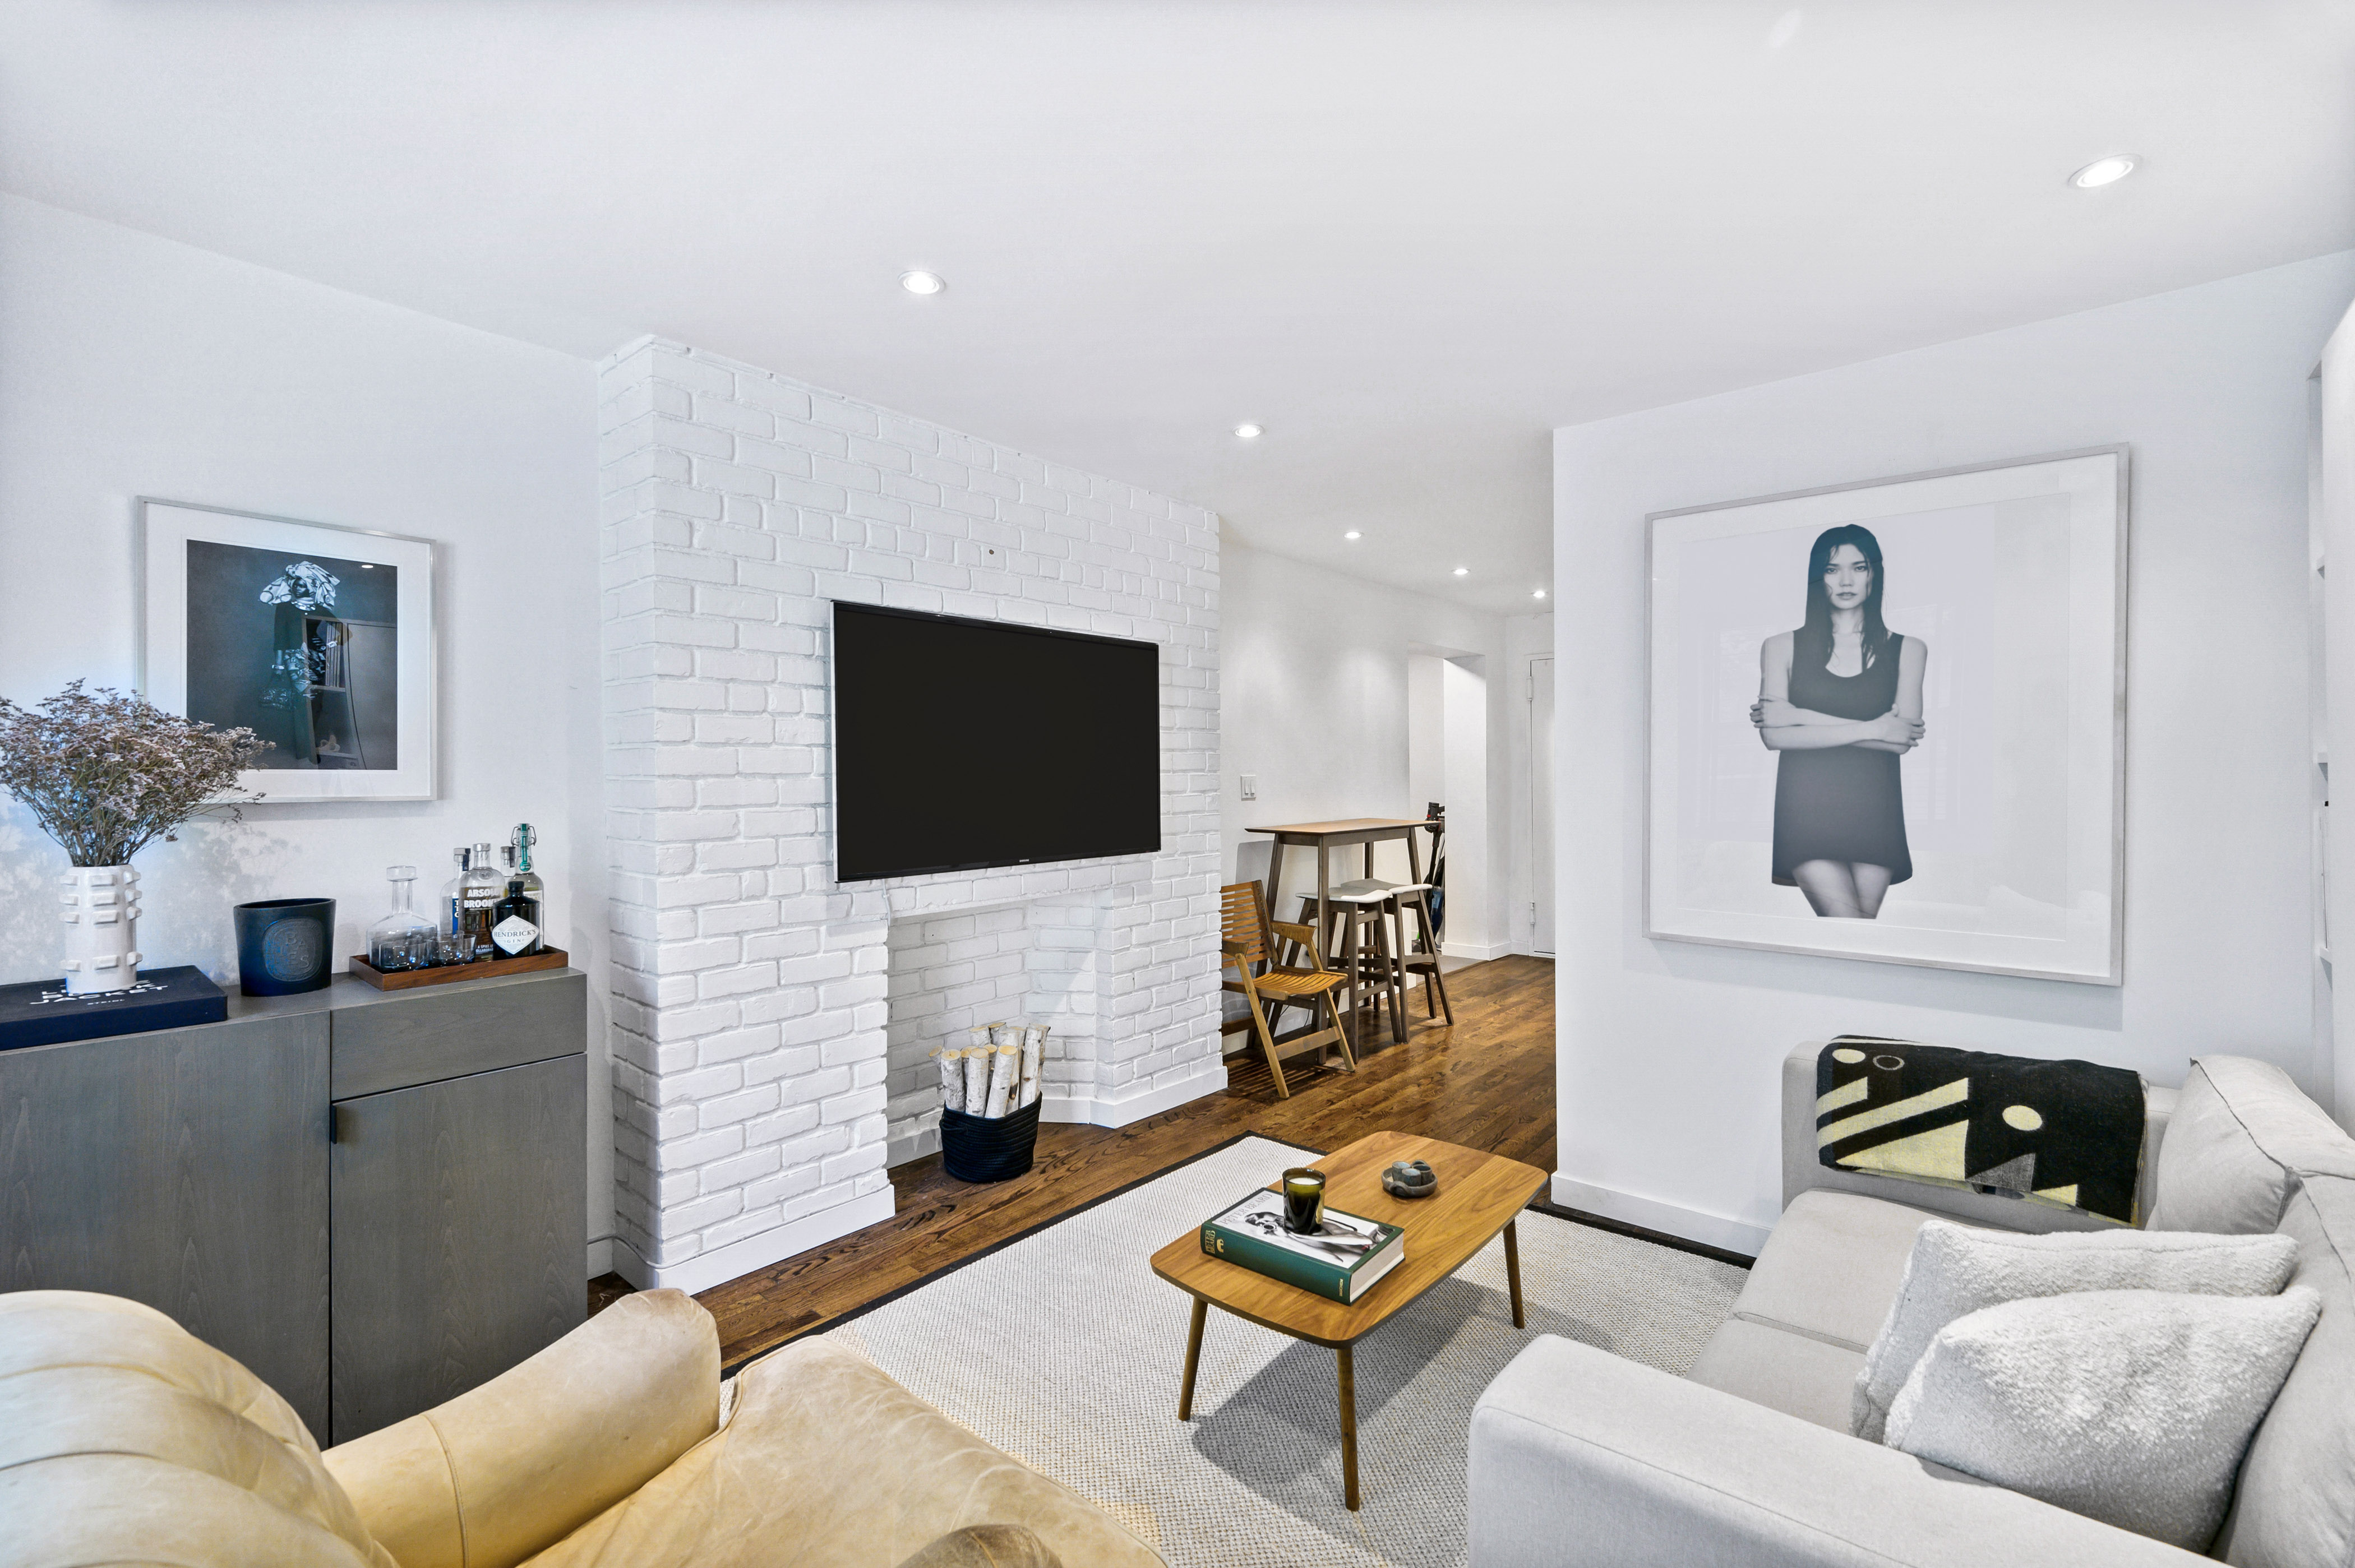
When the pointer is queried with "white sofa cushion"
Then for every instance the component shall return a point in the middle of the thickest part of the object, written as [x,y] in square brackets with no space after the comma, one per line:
[2241,1137]
[1955,1269]
[1832,1266]
[2130,1407]
[1796,1373]
[2295,1504]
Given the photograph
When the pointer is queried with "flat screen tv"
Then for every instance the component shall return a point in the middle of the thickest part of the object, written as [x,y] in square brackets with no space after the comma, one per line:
[962,744]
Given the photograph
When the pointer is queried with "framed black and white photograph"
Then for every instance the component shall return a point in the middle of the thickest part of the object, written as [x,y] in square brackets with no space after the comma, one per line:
[317,638]
[1888,719]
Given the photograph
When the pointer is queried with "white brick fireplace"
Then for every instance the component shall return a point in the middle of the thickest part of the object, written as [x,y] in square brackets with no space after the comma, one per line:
[769,1026]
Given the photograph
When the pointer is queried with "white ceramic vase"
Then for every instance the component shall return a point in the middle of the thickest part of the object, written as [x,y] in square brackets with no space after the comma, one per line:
[102,921]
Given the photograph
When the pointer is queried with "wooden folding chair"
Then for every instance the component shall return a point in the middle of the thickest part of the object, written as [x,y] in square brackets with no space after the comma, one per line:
[1248,944]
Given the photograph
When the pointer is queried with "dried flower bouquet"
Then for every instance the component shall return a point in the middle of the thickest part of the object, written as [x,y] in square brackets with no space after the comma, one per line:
[107,774]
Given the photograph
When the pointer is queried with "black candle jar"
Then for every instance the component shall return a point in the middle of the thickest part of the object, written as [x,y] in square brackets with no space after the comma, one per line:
[285,946]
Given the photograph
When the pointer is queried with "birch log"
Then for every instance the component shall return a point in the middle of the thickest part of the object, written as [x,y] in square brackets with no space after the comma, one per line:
[1006,1066]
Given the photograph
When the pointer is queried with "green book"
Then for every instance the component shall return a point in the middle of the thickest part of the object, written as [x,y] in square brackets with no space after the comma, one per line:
[1341,1265]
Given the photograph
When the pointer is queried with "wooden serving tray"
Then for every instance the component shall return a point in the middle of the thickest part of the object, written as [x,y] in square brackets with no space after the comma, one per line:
[404,979]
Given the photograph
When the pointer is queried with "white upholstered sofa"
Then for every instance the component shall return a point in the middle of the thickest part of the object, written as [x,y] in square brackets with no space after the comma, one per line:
[1578,1458]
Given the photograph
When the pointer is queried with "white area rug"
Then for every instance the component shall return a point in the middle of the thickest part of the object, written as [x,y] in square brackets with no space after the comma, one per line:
[1063,1350]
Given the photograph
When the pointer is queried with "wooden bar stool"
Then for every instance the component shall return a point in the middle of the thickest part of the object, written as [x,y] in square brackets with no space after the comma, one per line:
[1416,896]
[1399,900]
[1353,908]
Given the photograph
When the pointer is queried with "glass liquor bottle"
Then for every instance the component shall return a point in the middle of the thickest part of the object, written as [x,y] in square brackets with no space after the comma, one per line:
[479,893]
[453,895]
[403,939]
[519,844]
[514,919]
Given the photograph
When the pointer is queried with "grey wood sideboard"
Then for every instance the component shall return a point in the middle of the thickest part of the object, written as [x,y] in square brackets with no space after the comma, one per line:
[373,1200]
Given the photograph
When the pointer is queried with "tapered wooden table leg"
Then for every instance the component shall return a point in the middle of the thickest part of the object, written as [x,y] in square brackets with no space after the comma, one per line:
[1193,1358]
[1348,1431]
[1512,1277]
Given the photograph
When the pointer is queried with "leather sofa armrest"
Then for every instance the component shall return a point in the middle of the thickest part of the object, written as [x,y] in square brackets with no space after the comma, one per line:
[1802,1170]
[1577,1457]
[506,1469]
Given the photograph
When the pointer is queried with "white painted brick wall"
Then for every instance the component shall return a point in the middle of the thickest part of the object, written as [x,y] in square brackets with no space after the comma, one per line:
[1039,961]
[769,1024]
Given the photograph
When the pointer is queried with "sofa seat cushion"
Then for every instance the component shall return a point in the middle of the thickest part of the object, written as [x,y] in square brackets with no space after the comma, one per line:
[825,1462]
[1832,1268]
[125,1439]
[1800,1376]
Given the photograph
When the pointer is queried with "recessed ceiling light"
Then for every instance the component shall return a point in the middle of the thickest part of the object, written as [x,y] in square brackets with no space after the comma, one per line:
[1248,431]
[923,283]
[1353,534]
[1462,571]
[1537,593]
[2105,171]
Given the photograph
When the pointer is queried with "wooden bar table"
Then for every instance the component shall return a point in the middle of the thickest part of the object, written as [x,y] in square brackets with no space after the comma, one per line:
[1325,837]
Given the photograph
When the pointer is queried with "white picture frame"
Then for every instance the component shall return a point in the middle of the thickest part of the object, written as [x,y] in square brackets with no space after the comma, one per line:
[335,671]
[2011,858]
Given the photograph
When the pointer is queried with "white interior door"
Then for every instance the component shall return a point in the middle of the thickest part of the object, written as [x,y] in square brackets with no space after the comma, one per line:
[1542,806]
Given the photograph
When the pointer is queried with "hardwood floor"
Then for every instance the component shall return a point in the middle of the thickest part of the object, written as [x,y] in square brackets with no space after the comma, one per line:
[1485,1083]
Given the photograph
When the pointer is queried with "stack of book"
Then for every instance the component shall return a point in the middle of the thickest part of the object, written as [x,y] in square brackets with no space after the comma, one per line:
[1341,1262]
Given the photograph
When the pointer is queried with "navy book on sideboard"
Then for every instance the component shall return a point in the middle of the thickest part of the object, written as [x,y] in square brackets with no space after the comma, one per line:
[39,1012]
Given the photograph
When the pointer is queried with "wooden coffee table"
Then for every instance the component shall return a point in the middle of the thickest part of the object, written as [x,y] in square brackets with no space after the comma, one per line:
[1479,1195]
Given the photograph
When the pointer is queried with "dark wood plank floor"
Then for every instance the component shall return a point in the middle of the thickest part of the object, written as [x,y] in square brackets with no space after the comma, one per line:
[1486,1083]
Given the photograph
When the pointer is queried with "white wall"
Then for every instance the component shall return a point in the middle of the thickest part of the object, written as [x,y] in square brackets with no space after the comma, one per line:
[1473,728]
[1670,1051]
[2334,414]
[1315,697]
[1527,638]
[132,366]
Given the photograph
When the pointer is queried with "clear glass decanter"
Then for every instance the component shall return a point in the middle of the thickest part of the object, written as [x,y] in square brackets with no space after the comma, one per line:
[403,939]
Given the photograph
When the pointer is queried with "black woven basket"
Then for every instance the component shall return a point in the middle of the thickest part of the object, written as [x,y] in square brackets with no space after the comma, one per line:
[977,1149]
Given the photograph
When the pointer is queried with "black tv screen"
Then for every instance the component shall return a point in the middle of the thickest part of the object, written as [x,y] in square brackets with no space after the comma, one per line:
[962,744]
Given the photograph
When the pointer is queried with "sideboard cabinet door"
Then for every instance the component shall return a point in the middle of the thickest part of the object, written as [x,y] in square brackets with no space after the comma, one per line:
[458,1234]
[184,1168]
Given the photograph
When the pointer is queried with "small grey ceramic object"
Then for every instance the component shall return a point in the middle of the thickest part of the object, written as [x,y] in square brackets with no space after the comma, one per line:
[1410,1179]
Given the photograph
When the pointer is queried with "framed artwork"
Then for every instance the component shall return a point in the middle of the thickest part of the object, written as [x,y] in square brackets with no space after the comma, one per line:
[317,638]
[1888,721]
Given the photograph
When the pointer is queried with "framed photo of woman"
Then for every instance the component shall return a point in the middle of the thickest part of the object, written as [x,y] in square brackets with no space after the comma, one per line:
[1888,719]
[317,638]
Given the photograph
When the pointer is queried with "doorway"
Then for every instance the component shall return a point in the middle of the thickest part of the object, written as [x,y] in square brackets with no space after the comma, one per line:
[1540,838]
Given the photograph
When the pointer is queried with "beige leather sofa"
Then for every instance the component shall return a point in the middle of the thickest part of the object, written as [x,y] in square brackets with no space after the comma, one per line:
[1577,1457]
[123,1439]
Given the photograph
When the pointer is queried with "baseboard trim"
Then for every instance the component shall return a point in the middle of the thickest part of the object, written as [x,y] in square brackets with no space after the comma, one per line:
[1477,952]
[737,1259]
[601,1256]
[1719,1232]
[1096,1111]
[916,1145]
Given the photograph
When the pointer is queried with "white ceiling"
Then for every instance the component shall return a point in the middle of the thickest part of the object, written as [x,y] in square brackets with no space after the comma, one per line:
[1410,240]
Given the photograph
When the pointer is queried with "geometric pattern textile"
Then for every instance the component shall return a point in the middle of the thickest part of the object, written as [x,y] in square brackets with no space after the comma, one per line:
[2066,1134]
[1063,1350]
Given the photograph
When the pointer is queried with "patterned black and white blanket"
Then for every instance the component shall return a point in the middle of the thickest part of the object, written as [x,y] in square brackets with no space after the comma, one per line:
[2067,1134]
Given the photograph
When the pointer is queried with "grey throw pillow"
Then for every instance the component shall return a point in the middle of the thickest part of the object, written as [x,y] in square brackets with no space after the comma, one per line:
[1955,1269]
[2241,1135]
[2130,1406]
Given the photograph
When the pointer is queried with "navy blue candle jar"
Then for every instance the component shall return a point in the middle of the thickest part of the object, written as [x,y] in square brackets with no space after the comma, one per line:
[285,946]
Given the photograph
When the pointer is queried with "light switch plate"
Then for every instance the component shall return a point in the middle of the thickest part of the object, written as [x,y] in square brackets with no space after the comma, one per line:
[1250,786]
